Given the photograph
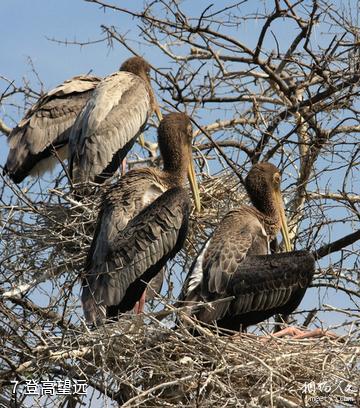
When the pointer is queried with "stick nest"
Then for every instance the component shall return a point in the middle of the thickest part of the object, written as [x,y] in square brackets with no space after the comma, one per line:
[139,362]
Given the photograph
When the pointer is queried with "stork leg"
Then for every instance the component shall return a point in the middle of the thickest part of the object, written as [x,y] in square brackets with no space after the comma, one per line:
[140,304]
[123,167]
[302,334]
[288,331]
[317,333]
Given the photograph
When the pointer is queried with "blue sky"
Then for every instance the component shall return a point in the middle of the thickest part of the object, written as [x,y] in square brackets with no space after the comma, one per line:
[25,29]
[28,24]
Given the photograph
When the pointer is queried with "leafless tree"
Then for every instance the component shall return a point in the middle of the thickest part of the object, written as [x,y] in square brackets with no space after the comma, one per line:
[263,81]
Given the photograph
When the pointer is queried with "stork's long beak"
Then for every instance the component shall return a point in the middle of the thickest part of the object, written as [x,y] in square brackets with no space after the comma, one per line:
[283,221]
[193,184]
[142,140]
[157,110]
[159,116]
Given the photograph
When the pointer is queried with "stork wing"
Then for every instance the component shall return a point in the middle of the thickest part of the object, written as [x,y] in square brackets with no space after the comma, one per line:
[238,235]
[274,282]
[46,125]
[120,203]
[139,252]
[108,125]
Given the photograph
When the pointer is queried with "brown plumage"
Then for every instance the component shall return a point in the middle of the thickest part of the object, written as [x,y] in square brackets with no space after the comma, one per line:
[229,264]
[141,225]
[111,122]
[46,127]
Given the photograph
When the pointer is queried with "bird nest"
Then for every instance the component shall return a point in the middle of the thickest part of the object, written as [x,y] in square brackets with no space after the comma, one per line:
[157,366]
[140,362]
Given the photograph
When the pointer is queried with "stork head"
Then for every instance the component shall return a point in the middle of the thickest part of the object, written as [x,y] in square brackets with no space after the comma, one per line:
[137,66]
[141,68]
[175,142]
[263,187]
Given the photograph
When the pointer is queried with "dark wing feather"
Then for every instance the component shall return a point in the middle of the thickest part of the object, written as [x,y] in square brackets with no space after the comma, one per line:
[120,203]
[239,234]
[108,126]
[272,277]
[266,285]
[139,252]
[47,126]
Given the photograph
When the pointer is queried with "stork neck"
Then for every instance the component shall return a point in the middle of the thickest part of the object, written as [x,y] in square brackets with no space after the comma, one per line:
[267,212]
[176,176]
[264,203]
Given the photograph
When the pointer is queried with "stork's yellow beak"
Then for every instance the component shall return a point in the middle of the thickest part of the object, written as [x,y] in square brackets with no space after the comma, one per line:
[194,186]
[157,110]
[159,116]
[283,221]
[141,140]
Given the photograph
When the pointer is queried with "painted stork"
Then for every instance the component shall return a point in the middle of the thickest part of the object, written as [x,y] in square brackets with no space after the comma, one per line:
[141,225]
[235,262]
[111,121]
[46,128]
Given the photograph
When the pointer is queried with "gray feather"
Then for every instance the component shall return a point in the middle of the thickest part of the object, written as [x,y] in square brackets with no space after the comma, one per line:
[115,115]
[47,123]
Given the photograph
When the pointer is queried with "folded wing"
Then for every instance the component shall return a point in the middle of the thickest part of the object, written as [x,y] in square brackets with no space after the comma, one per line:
[137,254]
[46,126]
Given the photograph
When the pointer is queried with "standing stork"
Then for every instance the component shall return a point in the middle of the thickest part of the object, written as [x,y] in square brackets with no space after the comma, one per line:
[46,127]
[141,225]
[111,121]
[234,263]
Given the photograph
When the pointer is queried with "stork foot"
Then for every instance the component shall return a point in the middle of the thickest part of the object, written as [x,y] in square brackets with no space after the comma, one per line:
[288,331]
[297,334]
[316,333]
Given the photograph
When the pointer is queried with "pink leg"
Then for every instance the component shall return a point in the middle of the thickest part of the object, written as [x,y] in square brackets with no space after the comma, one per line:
[123,167]
[288,331]
[302,334]
[316,333]
[139,305]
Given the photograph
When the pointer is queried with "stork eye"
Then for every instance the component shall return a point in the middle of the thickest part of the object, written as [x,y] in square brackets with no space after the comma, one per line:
[277,178]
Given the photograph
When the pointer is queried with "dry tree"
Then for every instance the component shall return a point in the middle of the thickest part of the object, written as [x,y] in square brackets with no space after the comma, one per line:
[263,81]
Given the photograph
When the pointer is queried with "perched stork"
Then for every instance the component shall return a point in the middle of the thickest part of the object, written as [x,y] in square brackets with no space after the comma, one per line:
[141,225]
[45,128]
[235,262]
[111,121]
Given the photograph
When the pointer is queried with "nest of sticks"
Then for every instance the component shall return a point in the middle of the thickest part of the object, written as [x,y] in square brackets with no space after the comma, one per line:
[155,366]
[140,362]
